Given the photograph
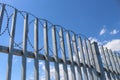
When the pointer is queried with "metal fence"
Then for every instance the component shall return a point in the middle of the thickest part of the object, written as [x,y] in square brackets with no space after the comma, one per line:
[32,37]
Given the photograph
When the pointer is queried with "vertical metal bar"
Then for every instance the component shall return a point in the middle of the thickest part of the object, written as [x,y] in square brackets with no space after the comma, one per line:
[113,64]
[98,61]
[70,56]
[11,46]
[91,54]
[88,61]
[82,58]
[108,58]
[104,57]
[92,61]
[57,75]
[118,63]
[114,61]
[105,62]
[118,59]
[47,70]
[1,15]
[111,58]
[36,61]
[110,64]
[63,54]
[25,35]
[77,57]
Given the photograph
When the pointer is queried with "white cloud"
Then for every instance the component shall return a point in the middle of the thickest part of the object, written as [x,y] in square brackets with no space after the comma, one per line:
[114,31]
[15,59]
[94,40]
[52,72]
[61,72]
[31,76]
[42,77]
[41,70]
[113,45]
[103,31]
[42,65]
[29,60]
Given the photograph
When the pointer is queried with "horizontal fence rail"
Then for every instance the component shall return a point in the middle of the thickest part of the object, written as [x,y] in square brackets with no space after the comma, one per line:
[27,36]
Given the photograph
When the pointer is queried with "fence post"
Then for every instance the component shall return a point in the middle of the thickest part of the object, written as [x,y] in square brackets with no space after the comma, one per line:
[113,64]
[57,75]
[92,61]
[98,60]
[70,56]
[114,60]
[11,46]
[109,63]
[77,57]
[1,16]
[105,62]
[36,61]
[63,54]
[47,70]
[117,64]
[87,60]
[25,35]
[82,58]
[118,58]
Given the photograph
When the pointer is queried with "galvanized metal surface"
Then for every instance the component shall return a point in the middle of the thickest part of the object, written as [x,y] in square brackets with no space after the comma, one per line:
[86,60]
[57,74]
[36,42]
[25,36]
[47,70]
[11,46]
[1,15]
[62,44]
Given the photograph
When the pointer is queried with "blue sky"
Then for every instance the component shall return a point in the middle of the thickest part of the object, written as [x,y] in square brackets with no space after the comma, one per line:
[81,16]
[98,20]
